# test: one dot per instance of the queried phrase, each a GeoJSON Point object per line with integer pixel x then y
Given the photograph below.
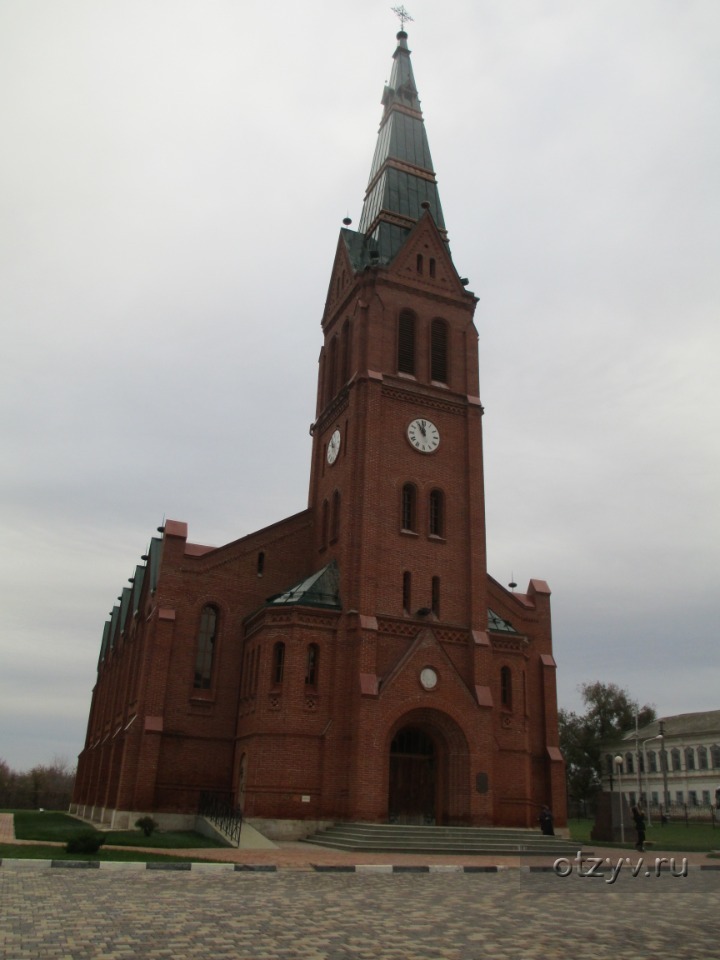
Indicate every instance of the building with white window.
{"type": "Point", "coordinates": [671, 762]}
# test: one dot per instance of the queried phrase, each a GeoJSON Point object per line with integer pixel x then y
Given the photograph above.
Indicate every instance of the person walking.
{"type": "Point", "coordinates": [638, 816]}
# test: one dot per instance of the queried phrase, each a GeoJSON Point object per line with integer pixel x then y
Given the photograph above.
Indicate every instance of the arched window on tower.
{"type": "Point", "coordinates": [419, 263]}
{"type": "Point", "coordinates": [407, 591]}
{"type": "Point", "coordinates": [331, 370]}
{"type": "Point", "coordinates": [345, 353]}
{"type": "Point", "coordinates": [439, 351]}
{"type": "Point", "coordinates": [278, 663]}
{"type": "Point", "coordinates": [324, 527]}
{"type": "Point", "coordinates": [312, 667]}
{"type": "Point", "coordinates": [406, 343]}
{"type": "Point", "coordinates": [335, 517]}
{"type": "Point", "coordinates": [437, 511]}
{"type": "Point", "coordinates": [409, 507]}
{"type": "Point", "coordinates": [205, 648]}
{"type": "Point", "coordinates": [436, 596]}
{"type": "Point", "coordinates": [506, 687]}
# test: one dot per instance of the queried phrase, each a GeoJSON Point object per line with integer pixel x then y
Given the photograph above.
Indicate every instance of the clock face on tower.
{"type": "Point", "coordinates": [423, 435]}
{"type": "Point", "coordinates": [333, 447]}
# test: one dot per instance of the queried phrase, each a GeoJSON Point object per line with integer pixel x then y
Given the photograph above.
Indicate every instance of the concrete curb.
{"type": "Point", "coordinates": [202, 868]}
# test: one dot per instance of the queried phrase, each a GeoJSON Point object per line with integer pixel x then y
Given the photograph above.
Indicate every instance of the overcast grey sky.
{"type": "Point", "coordinates": [173, 176]}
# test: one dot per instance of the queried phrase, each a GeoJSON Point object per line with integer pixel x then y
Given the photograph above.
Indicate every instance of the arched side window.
{"type": "Point", "coordinates": [419, 263]}
{"type": "Point", "coordinates": [439, 351]}
{"type": "Point", "coordinates": [702, 758]}
{"type": "Point", "coordinates": [324, 525]}
{"type": "Point", "coordinates": [261, 563]}
{"type": "Point", "coordinates": [407, 591]}
{"type": "Point", "coordinates": [409, 507]}
{"type": "Point", "coordinates": [437, 513]}
{"type": "Point", "coordinates": [313, 662]}
{"type": "Point", "coordinates": [278, 663]}
{"type": "Point", "coordinates": [406, 343]}
{"type": "Point", "coordinates": [205, 648]}
{"type": "Point", "coordinates": [436, 596]}
{"type": "Point", "coordinates": [675, 755]}
{"type": "Point", "coordinates": [322, 378]}
{"type": "Point", "coordinates": [335, 517]}
{"type": "Point", "coordinates": [345, 353]}
{"type": "Point", "coordinates": [331, 370]}
{"type": "Point", "coordinates": [432, 267]}
{"type": "Point", "coordinates": [506, 687]}
{"type": "Point", "coordinates": [652, 761]}
{"type": "Point", "coordinates": [715, 754]}
{"type": "Point", "coordinates": [609, 763]}
{"type": "Point", "coordinates": [629, 763]}
{"type": "Point", "coordinates": [689, 758]}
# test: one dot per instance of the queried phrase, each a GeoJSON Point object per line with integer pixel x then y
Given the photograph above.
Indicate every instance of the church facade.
{"type": "Point", "coordinates": [354, 661]}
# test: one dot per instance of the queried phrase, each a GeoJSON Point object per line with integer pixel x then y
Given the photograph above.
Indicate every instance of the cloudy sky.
{"type": "Point", "coordinates": [173, 176]}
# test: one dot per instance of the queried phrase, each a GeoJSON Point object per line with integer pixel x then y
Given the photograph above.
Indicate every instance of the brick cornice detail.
{"type": "Point", "coordinates": [416, 393]}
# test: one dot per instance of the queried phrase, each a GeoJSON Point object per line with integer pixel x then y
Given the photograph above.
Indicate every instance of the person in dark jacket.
{"type": "Point", "coordinates": [639, 817]}
{"type": "Point", "coordinates": [546, 821]}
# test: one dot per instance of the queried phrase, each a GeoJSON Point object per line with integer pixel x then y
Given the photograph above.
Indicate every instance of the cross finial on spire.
{"type": "Point", "coordinates": [403, 16]}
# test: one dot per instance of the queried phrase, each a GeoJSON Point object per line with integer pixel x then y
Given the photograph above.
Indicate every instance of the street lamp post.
{"type": "Point", "coordinates": [618, 764]}
{"type": "Point", "coordinates": [645, 765]}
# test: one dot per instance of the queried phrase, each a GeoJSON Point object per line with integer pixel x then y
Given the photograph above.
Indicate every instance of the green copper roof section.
{"type": "Point", "coordinates": [497, 623]}
{"type": "Point", "coordinates": [402, 180]}
{"type": "Point", "coordinates": [319, 590]}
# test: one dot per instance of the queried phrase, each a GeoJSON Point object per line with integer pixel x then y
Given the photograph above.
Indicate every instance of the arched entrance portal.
{"type": "Point", "coordinates": [413, 787]}
{"type": "Point", "coordinates": [428, 770]}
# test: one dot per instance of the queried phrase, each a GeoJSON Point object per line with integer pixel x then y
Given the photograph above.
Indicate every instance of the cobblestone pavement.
{"type": "Point", "coordinates": [69, 914]}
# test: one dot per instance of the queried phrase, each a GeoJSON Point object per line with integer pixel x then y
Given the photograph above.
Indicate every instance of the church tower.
{"type": "Point", "coordinates": [354, 661]}
{"type": "Point", "coordinates": [397, 450]}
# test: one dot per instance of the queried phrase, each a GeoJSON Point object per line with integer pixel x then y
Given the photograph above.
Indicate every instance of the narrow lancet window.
{"type": "Point", "coordinates": [278, 664]}
{"type": "Point", "coordinates": [311, 672]}
{"type": "Point", "coordinates": [406, 343]}
{"type": "Point", "coordinates": [439, 351]}
{"type": "Point", "coordinates": [205, 649]}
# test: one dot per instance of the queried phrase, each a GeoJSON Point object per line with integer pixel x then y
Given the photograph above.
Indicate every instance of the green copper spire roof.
{"type": "Point", "coordinates": [402, 181]}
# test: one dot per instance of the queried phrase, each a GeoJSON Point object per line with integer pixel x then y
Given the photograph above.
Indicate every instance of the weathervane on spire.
{"type": "Point", "coordinates": [403, 16]}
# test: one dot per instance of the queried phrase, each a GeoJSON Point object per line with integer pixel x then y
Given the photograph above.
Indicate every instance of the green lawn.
{"type": "Point", "coordinates": [673, 836]}
{"type": "Point", "coordinates": [51, 826]}
{"type": "Point", "coordinates": [9, 851]}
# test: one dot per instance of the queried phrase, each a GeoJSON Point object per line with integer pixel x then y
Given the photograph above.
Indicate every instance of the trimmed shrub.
{"type": "Point", "coordinates": [147, 825]}
{"type": "Point", "coordinates": [89, 841]}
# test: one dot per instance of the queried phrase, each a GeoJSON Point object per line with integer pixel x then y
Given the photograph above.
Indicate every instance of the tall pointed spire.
{"type": "Point", "coordinates": [402, 181]}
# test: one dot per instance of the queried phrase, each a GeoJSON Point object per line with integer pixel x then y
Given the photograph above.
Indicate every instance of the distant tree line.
{"type": "Point", "coordinates": [609, 712]}
{"type": "Point", "coordinates": [49, 787]}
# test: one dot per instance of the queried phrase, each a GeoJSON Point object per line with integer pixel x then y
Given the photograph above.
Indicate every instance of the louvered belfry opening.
{"type": "Point", "coordinates": [406, 343]}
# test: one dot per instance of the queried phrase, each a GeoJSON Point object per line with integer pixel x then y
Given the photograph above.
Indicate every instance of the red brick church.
{"type": "Point", "coordinates": [354, 661]}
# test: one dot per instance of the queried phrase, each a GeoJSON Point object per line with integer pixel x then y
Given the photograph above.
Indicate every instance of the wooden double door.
{"type": "Point", "coordinates": [413, 777]}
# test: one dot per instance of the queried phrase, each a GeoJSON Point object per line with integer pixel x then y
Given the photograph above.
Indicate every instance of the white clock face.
{"type": "Point", "coordinates": [428, 678]}
{"type": "Point", "coordinates": [333, 447]}
{"type": "Point", "coordinates": [423, 435]}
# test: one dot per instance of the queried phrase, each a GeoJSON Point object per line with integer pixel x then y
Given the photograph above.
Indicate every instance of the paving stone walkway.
{"type": "Point", "coordinates": [297, 915]}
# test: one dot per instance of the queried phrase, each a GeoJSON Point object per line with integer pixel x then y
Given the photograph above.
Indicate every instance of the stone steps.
{"type": "Point", "coordinates": [409, 838]}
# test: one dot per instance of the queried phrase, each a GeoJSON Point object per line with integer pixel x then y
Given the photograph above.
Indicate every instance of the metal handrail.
{"type": "Point", "coordinates": [219, 809]}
